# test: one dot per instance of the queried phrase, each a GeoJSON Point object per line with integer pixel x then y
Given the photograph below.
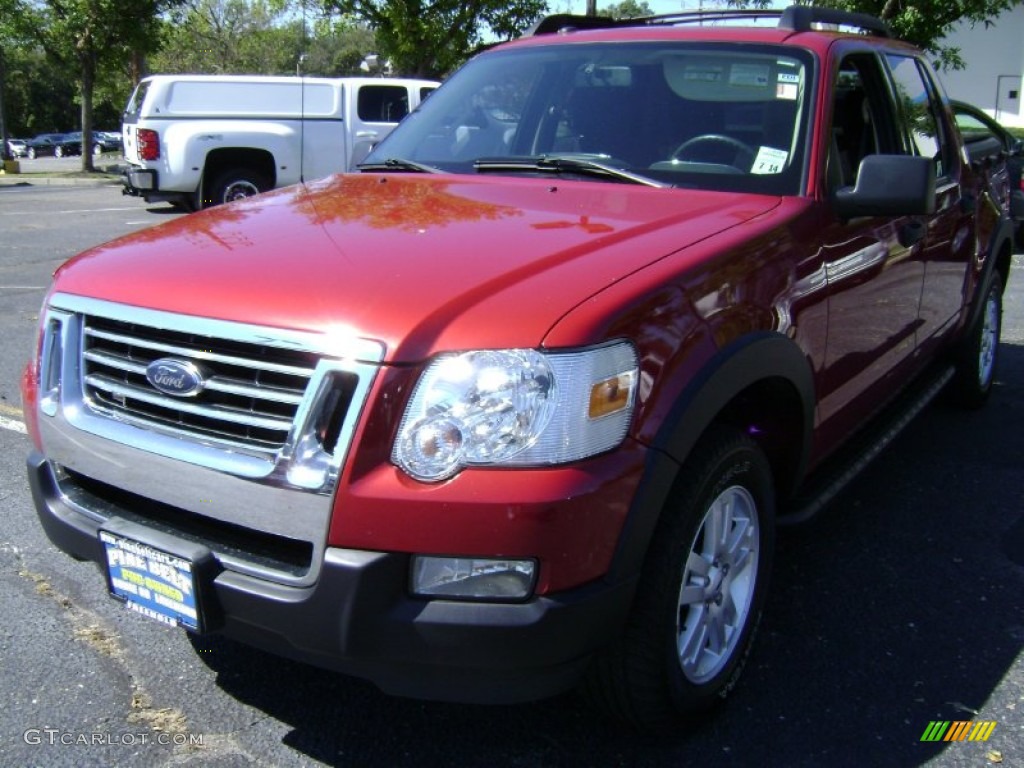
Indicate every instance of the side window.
{"type": "Point", "coordinates": [918, 112]}
{"type": "Point", "coordinates": [862, 120]}
{"type": "Point", "coordinates": [382, 103]}
{"type": "Point", "coordinates": [971, 127]}
{"type": "Point", "coordinates": [134, 108]}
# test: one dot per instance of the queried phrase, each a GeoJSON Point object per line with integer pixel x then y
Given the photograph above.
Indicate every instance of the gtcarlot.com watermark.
{"type": "Point", "coordinates": [51, 736]}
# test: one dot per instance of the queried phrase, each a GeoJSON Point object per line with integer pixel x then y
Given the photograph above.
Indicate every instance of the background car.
{"type": "Point", "coordinates": [988, 145]}
{"type": "Point", "coordinates": [17, 148]}
{"type": "Point", "coordinates": [56, 144]}
{"type": "Point", "coordinates": [102, 141]}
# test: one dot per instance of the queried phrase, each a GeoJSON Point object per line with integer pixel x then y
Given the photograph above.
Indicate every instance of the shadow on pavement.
{"type": "Point", "coordinates": [899, 605]}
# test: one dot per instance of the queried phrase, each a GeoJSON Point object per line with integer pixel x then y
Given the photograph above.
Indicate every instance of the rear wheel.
{"type": "Point", "coordinates": [235, 184]}
{"type": "Point", "coordinates": [976, 364]}
{"type": "Point", "coordinates": [701, 592]}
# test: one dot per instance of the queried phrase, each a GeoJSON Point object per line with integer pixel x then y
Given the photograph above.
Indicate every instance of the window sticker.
{"type": "Point", "coordinates": [787, 86]}
{"type": "Point", "coordinates": [749, 75]}
{"type": "Point", "coordinates": [769, 160]}
{"type": "Point", "coordinates": [786, 91]}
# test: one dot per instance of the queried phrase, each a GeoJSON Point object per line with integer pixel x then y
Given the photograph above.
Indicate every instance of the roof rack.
{"type": "Point", "coordinates": [798, 18]}
{"type": "Point", "coordinates": [802, 18]}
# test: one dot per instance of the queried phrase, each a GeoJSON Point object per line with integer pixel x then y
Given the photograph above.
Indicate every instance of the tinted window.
{"type": "Point", "coordinates": [918, 104]}
{"type": "Point", "coordinates": [972, 128]}
{"type": "Point", "coordinates": [382, 103]}
{"type": "Point", "coordinates": [134, 108]}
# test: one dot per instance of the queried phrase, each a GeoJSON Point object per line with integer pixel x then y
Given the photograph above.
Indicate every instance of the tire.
{"type": "Point", "coordinates": [235, 184]}
{"type": "Point", "coordinates": [700, 597]}
{"type": "Point", "coordinates": [979, 352]}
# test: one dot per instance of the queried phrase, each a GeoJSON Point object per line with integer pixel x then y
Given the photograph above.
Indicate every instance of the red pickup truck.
{"type": "Point", "coordinates": [519, 406]}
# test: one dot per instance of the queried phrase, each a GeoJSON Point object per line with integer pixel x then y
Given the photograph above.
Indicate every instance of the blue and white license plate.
{"type": "Point", "coordinates": [156, 584]}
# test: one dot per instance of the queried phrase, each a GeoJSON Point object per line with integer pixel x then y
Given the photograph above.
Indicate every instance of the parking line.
{"type": "Point", "coordinates": [80, 210]}
{"type": "Point", "coordinates": [12, 425]}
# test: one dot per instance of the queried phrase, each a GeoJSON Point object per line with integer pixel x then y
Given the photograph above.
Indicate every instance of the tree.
{"type": "Point", "coordinates": [921, 22]}
{"type": "Point", "coordinates": [230, 37]}
{"type": "Point", "coordinates": [627, 9]}
{"type": "Point", "coordinates": [83, 36]}
{"type": "Point", "coordinates": [259, 37]}
{"type": "Point", "coordinates": [926, 22]}
{"type": "Point", "coordinates": [8, 40]}
{"type": "Point", "coordinates": [430, 38]}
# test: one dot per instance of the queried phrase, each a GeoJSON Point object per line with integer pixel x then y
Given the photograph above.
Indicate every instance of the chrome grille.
{"type": "Point", "coordinates": [250, 396]}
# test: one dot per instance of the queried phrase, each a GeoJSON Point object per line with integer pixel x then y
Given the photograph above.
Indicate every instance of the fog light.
{"type": "Point", "coordinates": [472, 578]}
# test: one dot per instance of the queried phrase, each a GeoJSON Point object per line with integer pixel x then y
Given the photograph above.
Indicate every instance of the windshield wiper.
{"type": "Point", "coordinates": [398, 164]}
{"type": "Point", "coordinates": [559, 163]}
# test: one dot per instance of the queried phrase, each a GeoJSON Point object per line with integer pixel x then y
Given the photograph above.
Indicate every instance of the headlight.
{"type": "Point", "coordinates": [516, 407]}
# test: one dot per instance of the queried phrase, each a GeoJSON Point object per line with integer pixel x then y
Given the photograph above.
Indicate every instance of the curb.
{"type": "Point", "coordinates": [106, 173]}
{"type": "Point", "coordinates": [31, 180]}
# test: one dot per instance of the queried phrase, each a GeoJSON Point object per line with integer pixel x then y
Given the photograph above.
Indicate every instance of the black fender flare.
{"type": "Point", "coordinates": [735, 368]}
{"type": "Point", "coordinates": [1002, 237]}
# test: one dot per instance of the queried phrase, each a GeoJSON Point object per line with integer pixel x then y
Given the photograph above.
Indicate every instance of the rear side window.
{"type": "Point", "coordinates": [382, 103]}
{"type": "Point", "coordinates": [134, 108]}
{"type": "Point", "coordinates": [918, 107]}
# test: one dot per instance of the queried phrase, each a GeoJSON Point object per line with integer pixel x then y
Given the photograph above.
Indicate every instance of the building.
{"type": "Point", "coordinates": [994, 57]}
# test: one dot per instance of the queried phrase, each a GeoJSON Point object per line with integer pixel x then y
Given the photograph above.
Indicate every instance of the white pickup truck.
{"type": "Point", "coordinates": [202, 140]}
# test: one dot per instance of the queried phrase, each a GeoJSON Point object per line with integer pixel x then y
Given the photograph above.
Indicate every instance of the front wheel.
{"type": "Point", "coordinates": [701, 591]}
{"type": "Point", "coordinates": [235, 184]}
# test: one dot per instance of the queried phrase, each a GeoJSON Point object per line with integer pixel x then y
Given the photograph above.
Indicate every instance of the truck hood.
{"type": "Point", "coordinates": [421, 263]}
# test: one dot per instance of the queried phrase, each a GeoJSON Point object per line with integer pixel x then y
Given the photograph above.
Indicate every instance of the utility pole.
{"type": "Point", "coordinates": [591, 7]}
{"type": "Point", "coordinates": [3, 123]}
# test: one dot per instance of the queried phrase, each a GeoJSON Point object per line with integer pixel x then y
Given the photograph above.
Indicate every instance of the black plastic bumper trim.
{"type": "Point", "coordinates": [360, 620]}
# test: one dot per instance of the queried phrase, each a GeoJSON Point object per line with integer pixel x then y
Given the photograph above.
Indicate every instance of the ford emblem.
{"type": "Point", "coordinates": [175, 377]}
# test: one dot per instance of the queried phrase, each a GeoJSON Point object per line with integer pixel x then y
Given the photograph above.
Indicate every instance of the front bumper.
{"type": "Point", "coordinates": [358, 617]}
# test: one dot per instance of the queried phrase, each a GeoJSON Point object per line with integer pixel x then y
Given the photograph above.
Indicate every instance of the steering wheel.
{"type": "Point", "coordinates": [743, 151]}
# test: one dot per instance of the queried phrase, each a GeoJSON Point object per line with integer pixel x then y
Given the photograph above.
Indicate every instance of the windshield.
{"type": "Point", "coordinates": [710, 116]}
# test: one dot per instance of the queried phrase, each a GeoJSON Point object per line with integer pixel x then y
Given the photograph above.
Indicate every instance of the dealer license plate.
{"type": "Point", "coordinates": [156, 584]}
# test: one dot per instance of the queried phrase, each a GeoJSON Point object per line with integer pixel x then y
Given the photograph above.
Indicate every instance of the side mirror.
{"type": "Point", "coordinates": [889, 185]}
